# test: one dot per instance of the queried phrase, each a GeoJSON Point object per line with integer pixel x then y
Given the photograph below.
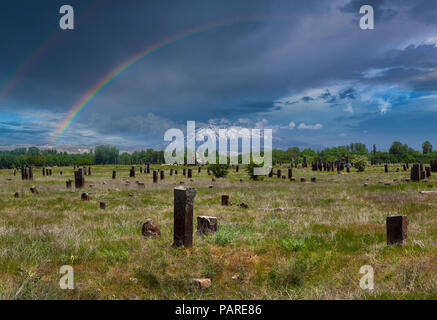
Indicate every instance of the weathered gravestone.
{"type": "Point", "coordinates": [397, 230]}
{"type": "Point", "coordinates": [225, 200]}
{"type": "Point", "coordinates": [183, 216]}
{"type": "Point", "coordinates": [79, 179]}
{"type": "Point", "coordinates": [415, 172]}
{"type": "Point", "coordinates": [132, 172]}
{"type": "Point", "coordinates": [150, 229]}
{"type": "Point", "coordinates": [155, 176]}
{"type": "Point", "coordinates": [206, 224]}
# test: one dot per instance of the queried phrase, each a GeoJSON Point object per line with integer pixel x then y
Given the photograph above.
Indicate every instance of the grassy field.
{"type": "Point", "coordinates": [295, 241]}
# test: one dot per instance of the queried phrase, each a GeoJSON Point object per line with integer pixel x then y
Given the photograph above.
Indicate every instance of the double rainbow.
{"type": "Point", "coordinates": [104, 82]}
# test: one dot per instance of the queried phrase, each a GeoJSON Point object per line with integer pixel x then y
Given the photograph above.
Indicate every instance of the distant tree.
{"type": "Point", "coordinates": [105, 154]}
{"type": "Point", "coordinates": [426, 147]}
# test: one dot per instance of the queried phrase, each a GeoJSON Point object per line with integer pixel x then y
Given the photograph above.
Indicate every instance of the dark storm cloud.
{"type": "Point", "coordinates": [277, 49]}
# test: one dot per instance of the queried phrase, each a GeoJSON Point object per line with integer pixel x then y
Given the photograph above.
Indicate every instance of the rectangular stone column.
{"type": "Point", "coordinates": [190, 173]}
{"type": "Point", "coordinates": [114, 174]}
{"type": "Point", "coordinates": [132, 172]}
{"type": "Point", "coordinates": [397, 230]}
{"type": "Point", "coordinates": [415, 172]}
{"type": "Point", "coordinates": [183, 216]}
{"type": "Point", "coordinates": [79, 180]}
{"type": "Point", "coordinates": [155, 176]}
{"type": "Point", "coordinates": [161, 174]}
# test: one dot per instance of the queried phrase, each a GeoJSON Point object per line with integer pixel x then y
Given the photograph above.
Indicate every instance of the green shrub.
{"type": "Point", "coordinates": [219, 170]}
{"type": "Point", "coordinates": [250, 170]}
{"type": "Point", "coordinates": [359, 162]}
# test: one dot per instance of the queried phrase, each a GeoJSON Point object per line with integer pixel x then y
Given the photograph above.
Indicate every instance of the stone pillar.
{"type": "Point", "coordinates": [102, 205]}
{"type": "Point", "coordinates": [428, 171]}
{"type": "Point", "coordinates": [161, 174]}
{"type": "Point", "coordinates": [68, 184]}
{"type": "Point", "coordinates": [225, 200]}
{"type": "Point", "coordinates": [89, 171]}
{"type": "Point", "coordinates": [206, 224]}
{"type": "Point", "coordinates": [415, 172]}
{"type": "Point", "coordinates": [79, 179]}
{"type": "Point", "coordinates": [43, 172]}
{"type": "Point", "coordinates": [199, 170]}
{"type": "Point", "coordinates": [433, 165]}
{"type": "Point", "coordinates": [84, 170]}
{"type": "Point", "coordinates": [47, 172]}
{"type": "Point", "coordinates": [132, 172]}
{"type": "Point", "coordinates": [184, 172]}
{"type": "Point", "coordinates": [141, 169]}
{"type": "Point", "coordinates": [171, 172]}
{"type": "Point", "coordinates": [190, 173]}
{"type": "Point", "coordinates": [30, 173]}
{"type": "Point", "coordinates": [386, 168]}
{"type": "Point", "coordinates": [114, 174]}
{"type": "Point", "coordinates": [397, 230]}
{"type": "Point", "coordinates": [148, 168]}
{"type": "Point", "coordinates": [183, 216]}
{"type": "Point", "coordinates": [290, 173]}
{"type": "Point", "coordinates": [279, 173]}
{"type": "Point", "coordinates": [237, 168]}
{"type": "Point", "coordinates": [155, 176]}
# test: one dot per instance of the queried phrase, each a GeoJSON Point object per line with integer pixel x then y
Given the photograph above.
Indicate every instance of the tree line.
{"type": "Point", "coordinates": [398, 153]}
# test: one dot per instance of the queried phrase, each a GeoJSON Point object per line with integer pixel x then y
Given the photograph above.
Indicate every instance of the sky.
{"type": "Point", "coordinates": [304, 69]}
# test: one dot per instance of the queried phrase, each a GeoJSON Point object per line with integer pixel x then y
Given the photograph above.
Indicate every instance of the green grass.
{"type": "Point", "coordinates": [312, 247]}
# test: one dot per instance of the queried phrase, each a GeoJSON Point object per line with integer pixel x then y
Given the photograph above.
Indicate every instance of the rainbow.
{"type": "Point", "coordinates": [28, 63]}
{"type": "Point", "coordinates": [39, 52]}
{"type": "Point", "coordinates": [104, 82]}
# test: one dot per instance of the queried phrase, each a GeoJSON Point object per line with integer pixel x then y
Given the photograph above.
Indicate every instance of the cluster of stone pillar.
{"type": "Point", "coordinates": [26, 173]}
{"type": "Point", "coordinates": [328, 166]}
